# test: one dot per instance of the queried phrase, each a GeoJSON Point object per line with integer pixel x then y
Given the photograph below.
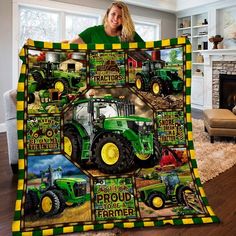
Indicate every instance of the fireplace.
{"type": "Point", "coordinates": [220, 61]}
{"type": "Point", "coordinates": [227, 91]}
{"type": "Point", "coordinates": [227, 70]}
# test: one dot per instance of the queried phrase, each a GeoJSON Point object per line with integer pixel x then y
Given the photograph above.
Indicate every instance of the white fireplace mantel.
{"type": "Point", "coordinates": [209, 57]}
{"type": "Point", "coordinates": [218, 55]}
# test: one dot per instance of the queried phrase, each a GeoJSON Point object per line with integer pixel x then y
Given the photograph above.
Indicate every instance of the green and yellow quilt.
{"type": "Point", "coordinates": [105, 138]}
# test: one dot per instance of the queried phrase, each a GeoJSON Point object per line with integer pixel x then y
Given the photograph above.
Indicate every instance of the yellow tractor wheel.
{"type": "Point", "coordinates": [110, 153]}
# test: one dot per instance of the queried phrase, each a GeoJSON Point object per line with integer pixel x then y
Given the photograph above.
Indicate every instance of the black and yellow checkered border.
{"type": "Point", "coordinates": [17, 224]}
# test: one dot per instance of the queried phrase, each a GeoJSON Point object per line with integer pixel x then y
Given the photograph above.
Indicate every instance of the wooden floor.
{"type": "Point", "coordinates": [221, 193]}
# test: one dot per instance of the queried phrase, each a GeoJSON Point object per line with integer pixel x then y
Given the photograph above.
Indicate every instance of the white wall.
{"type": "Point", "coordinates": [5, 53]}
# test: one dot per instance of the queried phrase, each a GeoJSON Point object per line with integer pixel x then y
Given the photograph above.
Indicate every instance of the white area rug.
{"type": "Point", "coordinates": [212, 158]}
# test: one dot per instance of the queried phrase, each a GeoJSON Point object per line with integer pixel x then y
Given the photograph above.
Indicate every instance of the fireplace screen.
{"type": "Point", "coordinates": [227, 91]}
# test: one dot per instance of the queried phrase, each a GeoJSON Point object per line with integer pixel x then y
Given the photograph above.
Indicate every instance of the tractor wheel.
{"type": "Point", "coordinates": [114, 68]}
{"type": "Point", "coordinates": [188, 198]}
{"type": "Point", "coordinates": [139, 82]}
{"type": "Point", "coordinates": [149, 160]}
{"type": "Point", "coordinates": [72, 145]}
{"type": "Point", "coordinates": [35, 200]}
{"type": "Point", "coordinates": [113, 154]}
{"type": "Point", "coordinates": [156, 201]}
{"type": "Point", "coordinates": [49, 133]}
{"type": "Point", "coordinates": [142, 197]}
{"type": "Point", "coordinates": [31, 98]}
{"type": "Point", "coordinates": [156, 87]}
{"type": "Point", "coordinates": [49, 203]}
{"type": "Point", "coordinates": [61, 199]}
{"type": "Point", "coordinates": [167, 88]}
{"type": "Point", "coordinates": [70, 204]}
{"type": "Point", "coordinates": [28, 208]}
{"type": "Point", "coordinates": [38, 78]}
{"type": "Point", "coordinates": [31, 202]}
{"type": "Point", "coordinates": [157, 149]}
{"type": "Point", "coordinates": [61, 85]}
{"type": "Point", "coordinates": [36, 134]}
{"type": "Point", "coordinates": [180, 194]}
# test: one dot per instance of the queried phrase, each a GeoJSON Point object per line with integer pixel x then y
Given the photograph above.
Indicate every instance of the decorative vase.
{"type": "Point", "coordinates": [215, 41]}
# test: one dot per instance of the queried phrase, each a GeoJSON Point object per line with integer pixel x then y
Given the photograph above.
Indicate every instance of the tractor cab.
{"type": "Point", "coordinates": [57, 174]}
{"type": "Point", "coordinates": [105, 109]}
{"type": "Point", "coordinates": [48, 68]}
{"type": "Point", "coordinates": [49, 176]}
{"type": "Point", "coordinates": [170, 180]}
{"type": "Point", "coordinates": [92, 113]}
{"type": "Point", "coordinates": [113, 108]}
{"type": "Point", "coordinates": [149, 67]}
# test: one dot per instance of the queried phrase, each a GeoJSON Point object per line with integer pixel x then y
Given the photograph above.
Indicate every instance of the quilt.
{"type": "Point", "coordinates": [105, 138]}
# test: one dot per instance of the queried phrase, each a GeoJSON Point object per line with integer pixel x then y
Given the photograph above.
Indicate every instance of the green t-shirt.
{"type": "Point", "coordinates": [97, 34]}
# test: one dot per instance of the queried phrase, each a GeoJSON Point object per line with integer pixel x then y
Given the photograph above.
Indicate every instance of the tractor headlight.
{"type": "Point", "coordinates": [144, 127]}
{"type": "Point", "coordinates": [139, 123]}
{"type": "Point", "coordinates": [149, 123]}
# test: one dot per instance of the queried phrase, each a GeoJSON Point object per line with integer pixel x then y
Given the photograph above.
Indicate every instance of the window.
{"type": "Point", "coordinates": [46, 25]}
{"type": "Point", "coordinates": [148, 32]}
{"type": "Point", "coordinates": [38, 24]}
{"type": "Point", "coordinates": [107, 109]}
{"type": "Point", "coordinates": [148, 28]}
{"type": "Point", "coordinates": [81, 113]}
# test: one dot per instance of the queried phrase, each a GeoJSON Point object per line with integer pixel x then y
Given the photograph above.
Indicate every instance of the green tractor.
{"type": "Point", "coordinates": [55, 193]}
{"type": "Point", "coordinates": [52, 101]}
{"type": "Point", "coordinates": [48, 76]}
{"type": "Point", "coordinates": [105, 132]}
{"type": "Point", "coordinates": [170, 189]}
{"type": "Point", "coordinates": [32, 87]}
{"type": "Point", "coordinates": [37, 131]}
{"type": "Point", "coordinates": [157, 79]}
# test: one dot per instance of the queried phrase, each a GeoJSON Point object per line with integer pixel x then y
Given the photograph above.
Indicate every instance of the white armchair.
{"type": "Point", "coordinates": [9, 99]}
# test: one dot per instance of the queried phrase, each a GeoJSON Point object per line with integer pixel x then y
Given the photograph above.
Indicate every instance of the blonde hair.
{"type": "Point", "coordinates": [127, 30]}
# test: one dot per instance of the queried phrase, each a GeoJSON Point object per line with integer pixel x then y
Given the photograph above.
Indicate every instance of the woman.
{"type": "Point", "coordinates": [117, 27]}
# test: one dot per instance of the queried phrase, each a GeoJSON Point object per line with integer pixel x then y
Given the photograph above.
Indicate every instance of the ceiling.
{"type": "Point", "coordinates": [169, 5]}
